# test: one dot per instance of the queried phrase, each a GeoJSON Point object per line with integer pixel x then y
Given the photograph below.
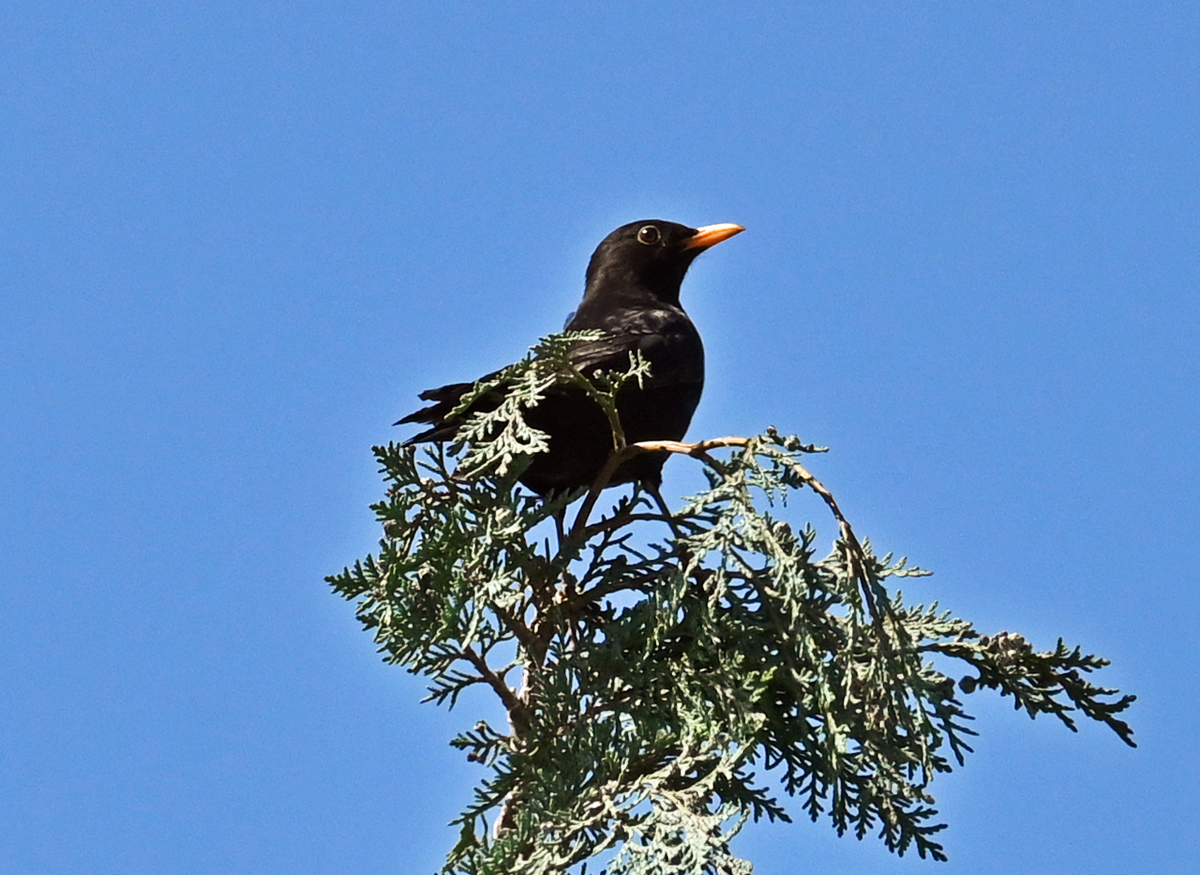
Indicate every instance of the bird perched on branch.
{"type": "Point", "coordinates": [632, 295]}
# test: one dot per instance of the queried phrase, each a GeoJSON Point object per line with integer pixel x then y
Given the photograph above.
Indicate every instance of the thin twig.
{"type": "Point", "coordinates": [697, 450]}
{"type": "Point", "coordinates": [517, 714]}
{"type": "Point", "coordinates": [518, 627]}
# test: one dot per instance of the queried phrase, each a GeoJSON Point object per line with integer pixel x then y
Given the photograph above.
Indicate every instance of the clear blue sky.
{"type": "Point", "coordinates": [236, 239]}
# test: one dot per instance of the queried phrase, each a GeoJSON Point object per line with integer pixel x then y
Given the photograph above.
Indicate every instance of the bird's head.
{"type": "Point", "coordinates": [650, 258]}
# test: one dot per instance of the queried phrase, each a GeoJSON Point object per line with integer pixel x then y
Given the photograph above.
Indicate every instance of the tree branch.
{"type": "Point", "coordinates": [518, 715]}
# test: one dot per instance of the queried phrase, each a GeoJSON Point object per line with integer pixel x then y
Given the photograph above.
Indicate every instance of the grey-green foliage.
{"type": "Point", "coordinates": [668, 675]}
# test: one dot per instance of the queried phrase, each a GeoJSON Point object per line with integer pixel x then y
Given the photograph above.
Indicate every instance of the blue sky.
{"type": "Point", "coordinates": [237, 239]}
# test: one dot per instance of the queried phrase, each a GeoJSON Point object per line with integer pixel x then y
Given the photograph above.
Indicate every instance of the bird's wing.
{"type": "Point", "coordinates": [675, 356]}
{"type": "Point", "coordinates": [673, 350]}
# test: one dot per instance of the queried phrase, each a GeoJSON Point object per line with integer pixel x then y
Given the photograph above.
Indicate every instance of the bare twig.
{"type": "Point", "coordinates": [697, 450]}
{"type": "Point", "coordinates": [517, 714]}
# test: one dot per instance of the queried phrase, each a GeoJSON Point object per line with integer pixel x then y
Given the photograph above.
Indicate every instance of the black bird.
{"type": "Point", "coordinates": [632, 294]}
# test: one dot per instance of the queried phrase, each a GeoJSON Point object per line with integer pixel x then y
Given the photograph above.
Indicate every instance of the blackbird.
{"type": "Point", "coordinates": [632, 295]}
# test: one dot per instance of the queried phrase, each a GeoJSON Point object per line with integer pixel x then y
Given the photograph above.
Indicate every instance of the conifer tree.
{"type": "Point", "coordinates": [665, 674]}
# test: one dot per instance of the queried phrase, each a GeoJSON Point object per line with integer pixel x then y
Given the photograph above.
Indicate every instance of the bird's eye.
{"type": "Point", "coordinates": [649, 234]}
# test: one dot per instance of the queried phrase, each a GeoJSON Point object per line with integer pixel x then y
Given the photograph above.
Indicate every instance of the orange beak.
{"type": "Point", "coordinates": [711, 235]}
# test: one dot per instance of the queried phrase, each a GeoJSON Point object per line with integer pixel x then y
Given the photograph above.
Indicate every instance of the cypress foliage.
{"type": "Point", "coordinates": [666, 675]}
